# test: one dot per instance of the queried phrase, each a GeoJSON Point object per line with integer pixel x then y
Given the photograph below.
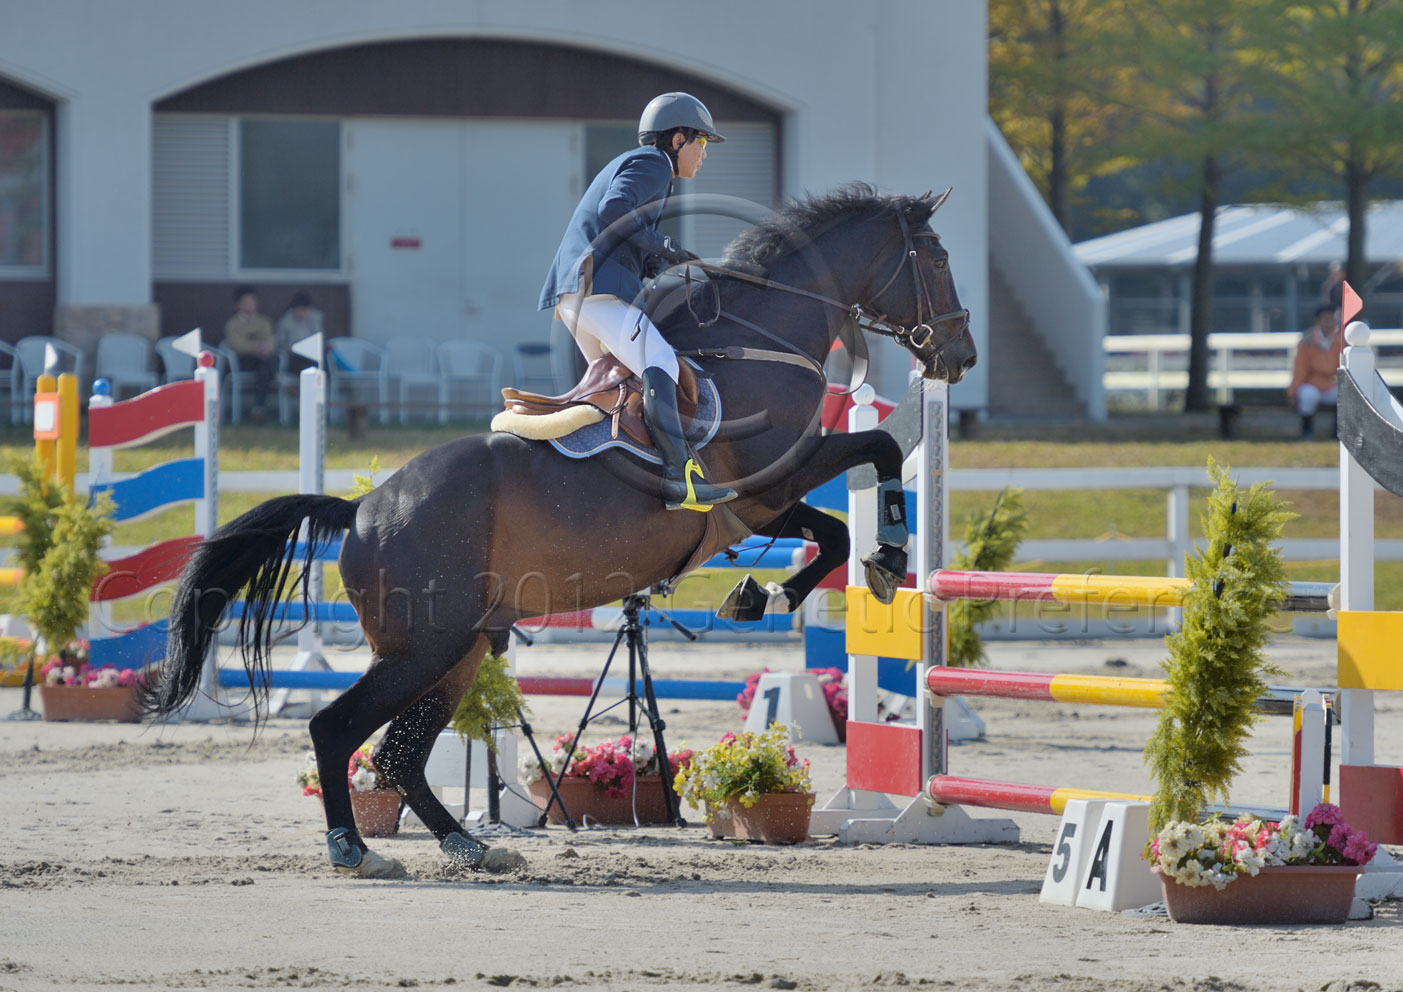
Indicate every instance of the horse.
{"type": "Point", "coordinates": [489, 529]}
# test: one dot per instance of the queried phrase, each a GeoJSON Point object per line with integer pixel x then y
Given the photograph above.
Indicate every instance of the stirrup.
{"type": "Point", "coordinates": [344, 852]}
{"type": "Point", "coordinates": [689, 501]}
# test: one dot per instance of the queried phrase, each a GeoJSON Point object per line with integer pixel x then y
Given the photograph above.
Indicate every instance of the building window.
{"type": "Point", "coordinates": [24, 199]}
{"type": "Point", "coordinates": [289, 194]}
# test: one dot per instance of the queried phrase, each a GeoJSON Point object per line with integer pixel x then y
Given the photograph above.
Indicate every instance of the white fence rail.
{"type": "Point", "coordinates": [1174, 482]}
{"type": "Point", "coordinates": [1156, 364]}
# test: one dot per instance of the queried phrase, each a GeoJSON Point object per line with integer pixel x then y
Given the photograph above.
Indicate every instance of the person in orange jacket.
{"type": "Point", "coordinates": [1313, 374]}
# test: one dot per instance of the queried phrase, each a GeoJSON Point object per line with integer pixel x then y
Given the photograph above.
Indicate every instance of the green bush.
{"type": "Point", "coordinates": [55, 595]}
{"type": "Point", "coordinates": [991, 541]}
{"type": "Point", "coordinates": [1216, 664]}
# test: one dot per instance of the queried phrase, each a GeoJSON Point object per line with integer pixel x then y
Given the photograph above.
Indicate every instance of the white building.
{"type": "Point", "coordinates": [412, 165]}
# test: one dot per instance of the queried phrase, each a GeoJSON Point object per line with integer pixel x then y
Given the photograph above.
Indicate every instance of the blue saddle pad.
{"type": "Point", "coordinates": [591, 440]}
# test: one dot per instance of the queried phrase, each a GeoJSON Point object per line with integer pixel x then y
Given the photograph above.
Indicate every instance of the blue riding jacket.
{"type": "Point", "coordinates": [630, 191]}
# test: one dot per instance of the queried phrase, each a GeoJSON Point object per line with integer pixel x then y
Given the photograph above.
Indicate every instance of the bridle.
{"type": "Point", "coordinates": [915, 338]}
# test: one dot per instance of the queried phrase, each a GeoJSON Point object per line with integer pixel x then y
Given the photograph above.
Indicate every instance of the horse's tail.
{"type": "Point", "coordinates": [256, 553]}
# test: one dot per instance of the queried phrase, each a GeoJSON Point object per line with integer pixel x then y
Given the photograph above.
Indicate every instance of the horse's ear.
{"type": "Point", "coordinates": [940, 200]}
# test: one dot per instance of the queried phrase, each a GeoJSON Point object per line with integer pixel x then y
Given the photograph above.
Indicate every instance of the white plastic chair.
{"type": "Point", "coordinates": [31, 352]}
{"type": "Point", "coordinates": [124, 360]}
{"type": "Point", "coordinates": [473, 367]}
{"type": "Point", "coordinates": [358, 371]}
{"type": "Point", "coordinates": [233, 380]}
{"type": "Point", "coordinates": [176, 365]}
{"type": "Point", "coordinates": [412, 364]}
{"type": "Point", "coordinates": [533, 366]}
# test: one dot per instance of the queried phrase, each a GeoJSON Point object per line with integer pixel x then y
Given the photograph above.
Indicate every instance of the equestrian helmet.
{"type": "Point", "coordinates": [671, 110]}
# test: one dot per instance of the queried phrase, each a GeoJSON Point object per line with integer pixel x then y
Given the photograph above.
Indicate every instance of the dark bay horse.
{"type": "Point", "coordinates": [476, 534]}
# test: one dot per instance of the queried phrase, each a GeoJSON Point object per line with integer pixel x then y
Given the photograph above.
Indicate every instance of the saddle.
{"type": "Point", "coordinates": [608, 389]}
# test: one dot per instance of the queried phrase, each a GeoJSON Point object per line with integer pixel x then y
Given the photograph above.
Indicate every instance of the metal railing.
{"type": "Point", "coordinates": [1157, 364]}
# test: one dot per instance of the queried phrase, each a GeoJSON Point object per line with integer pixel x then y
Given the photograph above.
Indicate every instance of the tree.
{"type": "Point", "coordinates": [1043, 92]}
{"type": "Point", "coordinates": [1191, 98]}
{"type": "Point", "coordinates": [1332, 70]}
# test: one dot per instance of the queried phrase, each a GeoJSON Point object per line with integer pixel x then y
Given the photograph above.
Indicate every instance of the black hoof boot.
{"type": "Point", "coordinates": [346, 853]}
{"type": "Point", "coordinates": [886, 570]}
{"type": "Point", "coordinates": [463, 851]}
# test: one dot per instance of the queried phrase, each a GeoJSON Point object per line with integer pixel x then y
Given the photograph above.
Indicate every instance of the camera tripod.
{"type": "Point", "coordinates": [634, 634]}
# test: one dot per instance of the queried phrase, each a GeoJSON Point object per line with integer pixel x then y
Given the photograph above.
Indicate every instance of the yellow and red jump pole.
{"type": "Point", "coordinates": [949, 584]}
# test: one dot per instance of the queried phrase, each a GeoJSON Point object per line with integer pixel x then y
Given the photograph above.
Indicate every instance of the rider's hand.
{"type": "Point", "coordinates": [674, 255]}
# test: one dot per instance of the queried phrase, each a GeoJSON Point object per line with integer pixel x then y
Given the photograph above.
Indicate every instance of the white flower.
{"type": "Point", "coordinates": [363, 780]}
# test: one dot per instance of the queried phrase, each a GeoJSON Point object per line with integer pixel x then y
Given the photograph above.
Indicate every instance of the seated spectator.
{"type": "Point", "coordinates": [249, 335]}
{"type": "Point", "coordinates": [1313, 375]}
{"type": "Point", "coordinates": [300, 321]}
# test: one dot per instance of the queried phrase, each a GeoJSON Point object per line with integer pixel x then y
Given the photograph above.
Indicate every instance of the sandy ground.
{"type": "Point", "coordinates": [185, 857]}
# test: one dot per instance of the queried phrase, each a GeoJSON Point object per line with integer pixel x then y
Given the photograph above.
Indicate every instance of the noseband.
{"type": "Point", "coordinates": [915, 338]}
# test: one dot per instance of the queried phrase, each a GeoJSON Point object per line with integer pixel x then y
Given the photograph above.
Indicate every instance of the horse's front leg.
{"type": "Point", "coordinates": [833, 454]}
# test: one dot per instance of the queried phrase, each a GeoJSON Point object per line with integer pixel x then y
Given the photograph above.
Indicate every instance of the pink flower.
{"type": "Point", "coordinates": [1325, 813]}
{"type": "Point", "coordinates": [1358, 849]}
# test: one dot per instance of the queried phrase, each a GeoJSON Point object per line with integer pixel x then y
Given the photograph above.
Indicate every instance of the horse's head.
{"type": "Point", "coordinates": [918, 305]}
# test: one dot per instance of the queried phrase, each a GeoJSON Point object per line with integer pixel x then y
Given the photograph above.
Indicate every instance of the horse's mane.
{"type": "Point", "coordinates": [804, 218]}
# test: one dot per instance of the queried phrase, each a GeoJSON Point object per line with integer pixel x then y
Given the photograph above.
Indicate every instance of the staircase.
{"type": "Point", "coordinates": [1025, 379]}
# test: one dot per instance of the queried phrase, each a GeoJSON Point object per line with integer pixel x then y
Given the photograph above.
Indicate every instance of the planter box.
{"type": "Point", "coordinates": [778, 818]}
{"type": "Point", "coordinates": [376, 812]}
{"type": "Point", "coordinates": [1283, 894]}
{"type": "Point", "coordinates": [77, 702]}
{"type": "Point", "coordinates": [585, 798]}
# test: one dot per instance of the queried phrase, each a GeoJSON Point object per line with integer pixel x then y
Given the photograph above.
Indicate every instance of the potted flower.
{"type": "Point", "coordinates": [1252, 871]}
{"type": "Point", "coordinates": [604, 782]}
{"type": "Point", "coordinates": [375, 804]}
{"type": "Point", "coordinates": [751, 787]}
{"type": "Point", "coordinates": [835, 694]}
{"type": "Point", "coordinates": [72, 689]}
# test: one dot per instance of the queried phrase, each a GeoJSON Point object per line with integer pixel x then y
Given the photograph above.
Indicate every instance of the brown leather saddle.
{"type": "Point", "coordinates": [611, 388]}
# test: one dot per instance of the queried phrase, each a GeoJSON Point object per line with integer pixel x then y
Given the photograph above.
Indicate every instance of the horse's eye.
{"type": "Point", "coordinates": [940, 263]}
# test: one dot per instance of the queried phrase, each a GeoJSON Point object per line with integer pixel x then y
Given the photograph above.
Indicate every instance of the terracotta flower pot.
{"type": "Point", "coordinates": [87, 703]}
{"type": "Point", "coordinates": [585, 798]}
{"type": "Point", "coordinates": [1282, 894]}
{"type": "Point", "coordinates": [376, 811]}
{"type": "Point", "coordinates": [777, 818]}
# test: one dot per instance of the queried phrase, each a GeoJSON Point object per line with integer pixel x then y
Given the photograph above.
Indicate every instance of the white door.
{"type": "Point", "coordinates": [452, 225]}
{"type": "Point", "coordinates": [404, 191]}
{"type": "Point", "coordinates": [523, 179]}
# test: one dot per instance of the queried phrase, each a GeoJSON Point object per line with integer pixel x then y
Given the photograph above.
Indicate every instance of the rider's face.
{"type": "Point", "coordinates": [689, 156]}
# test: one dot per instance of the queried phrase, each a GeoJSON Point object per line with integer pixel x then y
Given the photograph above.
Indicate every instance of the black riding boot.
{"type": "Point", "coordinates": [1307, 426]}
{"type": "Point", "coordinates": [682, 487]}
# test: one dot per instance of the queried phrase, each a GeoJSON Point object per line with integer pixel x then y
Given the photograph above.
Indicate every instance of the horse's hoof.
{"type": "Point", "coordinates": [501, 860]}
{"type": "Point", "coordinates": [885, 569]}
{"type": "Point", "coordinates": [749, 601]}
{"type": "Point", "coordinates": [463, 851]}
{"type": "Point", "coordinates": [373, 866]}
{"type": "Point", "coordinates": [743, 603]}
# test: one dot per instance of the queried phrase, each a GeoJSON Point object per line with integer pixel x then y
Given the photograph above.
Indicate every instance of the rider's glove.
{"type": "Point", "coordinates": [673, 255]}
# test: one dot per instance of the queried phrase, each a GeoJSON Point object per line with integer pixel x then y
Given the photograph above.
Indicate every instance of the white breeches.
{"type": "Point", "coordinates": [607, 322]}
{"type": "Point", "coordinates": [1309, 398]}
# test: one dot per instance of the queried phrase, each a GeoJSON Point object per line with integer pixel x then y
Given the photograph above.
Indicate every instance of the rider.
{"type": "Point", "coordinates": [612, 240]}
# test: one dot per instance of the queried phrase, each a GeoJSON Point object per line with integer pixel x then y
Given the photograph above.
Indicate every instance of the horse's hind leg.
{"type": "Point", "coordinates": [404, 751]}
{"type": "Point", "coordinates": [749, 602]}
{"type": "Point", "coordinates": [390, 687]}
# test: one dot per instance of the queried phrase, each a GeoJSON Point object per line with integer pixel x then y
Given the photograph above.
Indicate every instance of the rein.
{"type": "Point", "coordinates": [863, 316]}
